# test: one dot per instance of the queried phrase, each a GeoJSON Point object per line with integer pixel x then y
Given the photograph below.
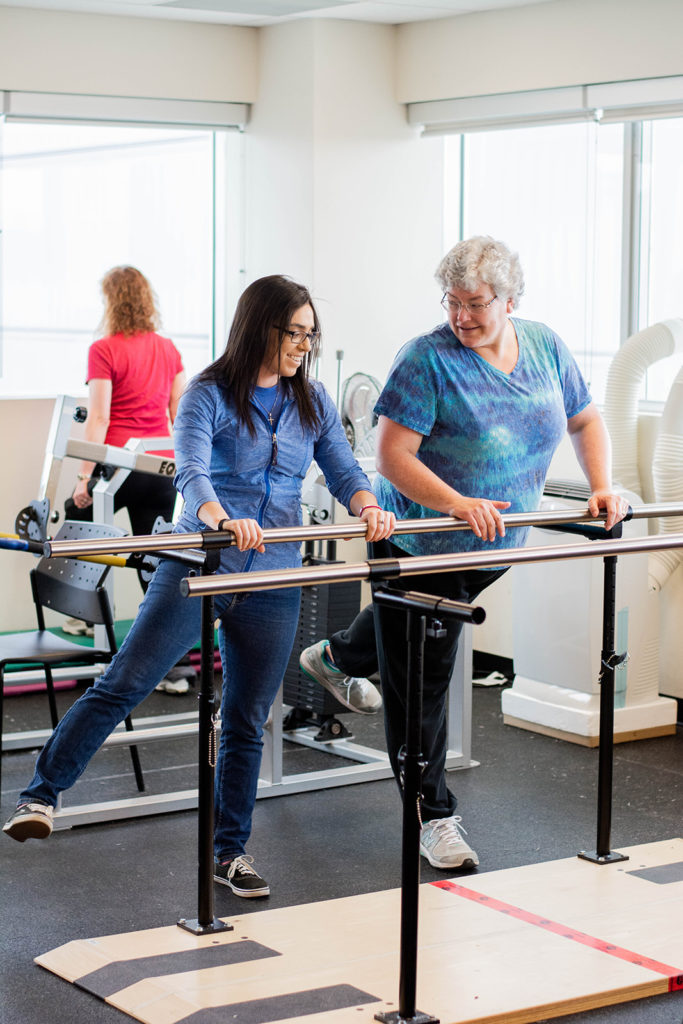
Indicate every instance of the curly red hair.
{"type": "Point", "coordinates": [129, 302]}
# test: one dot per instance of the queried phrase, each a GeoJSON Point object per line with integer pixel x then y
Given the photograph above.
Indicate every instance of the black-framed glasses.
{"type": "Point", "coordinates": [298, 337]}
{"type": "Point", "coordinates": [453, 306]}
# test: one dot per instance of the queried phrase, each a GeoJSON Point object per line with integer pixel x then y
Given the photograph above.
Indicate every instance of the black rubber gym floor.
{"type": "Point", "coordinates": [531, 799]}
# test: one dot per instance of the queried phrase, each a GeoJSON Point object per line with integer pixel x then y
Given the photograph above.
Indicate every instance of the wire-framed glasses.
{"type": "Point", "coordinates": [453, 306]}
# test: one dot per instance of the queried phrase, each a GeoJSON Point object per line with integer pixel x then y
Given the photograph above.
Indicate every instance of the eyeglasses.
{"type": "Point", "coordinates": [298, 337]}
{"type": "Point", "coordinates": [453, 306]}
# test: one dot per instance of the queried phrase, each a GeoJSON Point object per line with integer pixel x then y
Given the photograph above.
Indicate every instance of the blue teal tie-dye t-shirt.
{"type": "Point", "coordinates": [488, 433]}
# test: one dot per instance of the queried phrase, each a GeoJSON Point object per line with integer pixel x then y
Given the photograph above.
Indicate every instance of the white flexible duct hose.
{"type": "Point", "coordinates": [667, 477]}
{"type": "Point", "coordinates": [624, 381]}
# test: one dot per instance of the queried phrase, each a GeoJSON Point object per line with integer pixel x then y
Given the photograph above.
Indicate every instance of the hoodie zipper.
{"type": "Point", "coordinates": [272, 428]}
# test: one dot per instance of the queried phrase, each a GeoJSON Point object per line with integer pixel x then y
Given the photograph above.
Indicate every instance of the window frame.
{"type": "Point", "coordinates": [218, 118]}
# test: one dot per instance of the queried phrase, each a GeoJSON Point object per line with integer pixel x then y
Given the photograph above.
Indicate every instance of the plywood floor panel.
{"type": "Point", "coordinates": [509, 946]}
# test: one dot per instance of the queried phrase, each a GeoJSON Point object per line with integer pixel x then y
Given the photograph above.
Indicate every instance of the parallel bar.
{"type": "Point", "coordinates": [121, 545]}
{"type": "Point", "coordinates": [134, 561]}
{"type": "Point", "coordinates": [341, 531]}
{"type": "Point", "coordinates": [415, 564]}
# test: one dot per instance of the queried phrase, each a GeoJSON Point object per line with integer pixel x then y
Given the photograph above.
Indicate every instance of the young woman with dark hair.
{"type": "Point", "coordinates": [250, 342]}
{"type": "Point", "coordinates": [246, 432]}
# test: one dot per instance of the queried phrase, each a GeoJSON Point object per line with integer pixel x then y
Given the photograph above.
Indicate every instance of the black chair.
{"type": "Point", "coordinates": [75, 588]}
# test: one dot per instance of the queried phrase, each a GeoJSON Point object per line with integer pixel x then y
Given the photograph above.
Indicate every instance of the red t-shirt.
{"type": "Point", "coordinates": [142, 369]}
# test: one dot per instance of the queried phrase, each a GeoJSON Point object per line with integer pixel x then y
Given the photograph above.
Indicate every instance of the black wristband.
{"type": "Point", "coordinates": [220, 525]}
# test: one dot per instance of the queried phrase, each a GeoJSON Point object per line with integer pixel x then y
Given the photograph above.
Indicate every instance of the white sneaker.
{"type": "Point", "coordinates": [355, 694]}
{"type": "Point", "coordinates": [178, 686]}
{"type": "Point", "coordinates": [76, 627]}
{"type": "Point", "coordinates": [178, 680]}
{"type": "Point", "coordinates": [442, 843]}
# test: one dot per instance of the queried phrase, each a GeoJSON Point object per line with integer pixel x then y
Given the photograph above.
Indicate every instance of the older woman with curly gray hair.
{"type": "Point", "coordinates": [482, 260]}
{"type": "Point", "coordinates": [469, 419]}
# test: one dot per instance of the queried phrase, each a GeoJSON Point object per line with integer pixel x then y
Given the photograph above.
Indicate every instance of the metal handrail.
{"type": "Point", "coordinates": [388, 568]}
{"type": "Point", "coordinates": [343, 531]}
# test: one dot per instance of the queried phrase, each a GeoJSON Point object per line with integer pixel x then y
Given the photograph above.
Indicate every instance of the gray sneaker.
{"type": "Point", "coordinates": [30, 821]}
{"type": "Point", "coordinates": [442, 843]}
{"type": "Point", "coordinates": [355, 694]}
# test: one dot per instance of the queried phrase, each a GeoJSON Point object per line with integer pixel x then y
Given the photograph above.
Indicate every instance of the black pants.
{"type": "Point", "coordinates": [377, 636]}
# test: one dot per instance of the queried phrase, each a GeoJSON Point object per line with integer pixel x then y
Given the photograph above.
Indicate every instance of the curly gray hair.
{"type": "Point", "coordinates": [482, 259]}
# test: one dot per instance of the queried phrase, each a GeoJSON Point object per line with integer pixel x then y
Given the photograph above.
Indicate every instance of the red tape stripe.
{"type": "Point", "coordinates": [674, 974]}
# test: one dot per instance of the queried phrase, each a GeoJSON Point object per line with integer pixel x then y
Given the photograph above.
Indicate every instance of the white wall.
{"type": "Point", "coordinates": [24, 425]}
{"type": "Point", "coordinates": [53, 51]}
{"type": "Point", "coordinates": [565, 42]}
{"type": "Point", "coordinates": [378, 202]}
{"type": "Point", "coordinates": [340, 190]}
{"type": "Point", "coordinates": [279, 147]}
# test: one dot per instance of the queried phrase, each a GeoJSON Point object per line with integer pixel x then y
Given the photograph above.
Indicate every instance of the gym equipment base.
{"type": "Point", "coordinates": [362, 764]}
{"type": "Point", "coordinates": [504, 947]}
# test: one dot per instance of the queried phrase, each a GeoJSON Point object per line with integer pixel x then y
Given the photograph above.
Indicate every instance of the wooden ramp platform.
{"type": "Point", "coordinates": [507, 947]}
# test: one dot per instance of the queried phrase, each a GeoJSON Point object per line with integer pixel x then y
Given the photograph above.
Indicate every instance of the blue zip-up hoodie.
{"type": "Point", "coordinates": [218, 459]}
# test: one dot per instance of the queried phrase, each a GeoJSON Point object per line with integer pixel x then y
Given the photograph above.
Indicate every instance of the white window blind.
{"type": "Point", "coordinates": [69, 108]}
{"type": "Point", "coordinates": [606, 102]}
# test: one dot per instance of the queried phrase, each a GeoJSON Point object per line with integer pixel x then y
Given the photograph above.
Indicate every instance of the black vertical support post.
{"type": "Point", "coordinates": [205, 922]}
{"type": "Point", "coordinates": [417, 606]}
{"type": "Point", "coordinates": [416, 628]}
{"type": "Point", "coordinates": [606, 753]}
{"type": "Point", "coordinates": [412, 765]}
{"type": "Point", "coordinates": [609, 661]}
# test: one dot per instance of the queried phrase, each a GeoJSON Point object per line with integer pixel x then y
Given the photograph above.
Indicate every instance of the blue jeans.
{"type": "Point", "coordinates": [255, 639]}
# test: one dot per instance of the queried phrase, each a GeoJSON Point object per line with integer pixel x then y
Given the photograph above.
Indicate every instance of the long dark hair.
{"type": "Point", "coordinates": [269, 302]}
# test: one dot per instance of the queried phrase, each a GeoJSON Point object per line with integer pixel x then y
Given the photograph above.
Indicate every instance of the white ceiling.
{"type": "Point", "coordinates": [269, 12]}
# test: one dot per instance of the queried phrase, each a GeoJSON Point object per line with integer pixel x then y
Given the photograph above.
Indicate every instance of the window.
{"type": "Point", "coordinates": [586, 182]}
{"type": "Point", "coordinates": [555, 195]}
{"type": "Point", "coordinates": [79, 199]}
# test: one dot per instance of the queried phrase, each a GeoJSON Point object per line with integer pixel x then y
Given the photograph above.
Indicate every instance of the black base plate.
{"type": "Point", "coordinates": [192, 925]}
{"type": "Point", "coordinates": [601, 858]}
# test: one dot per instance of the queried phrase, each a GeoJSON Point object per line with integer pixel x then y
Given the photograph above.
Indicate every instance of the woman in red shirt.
{"type": "Point", "coordinates": [135, 380]}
